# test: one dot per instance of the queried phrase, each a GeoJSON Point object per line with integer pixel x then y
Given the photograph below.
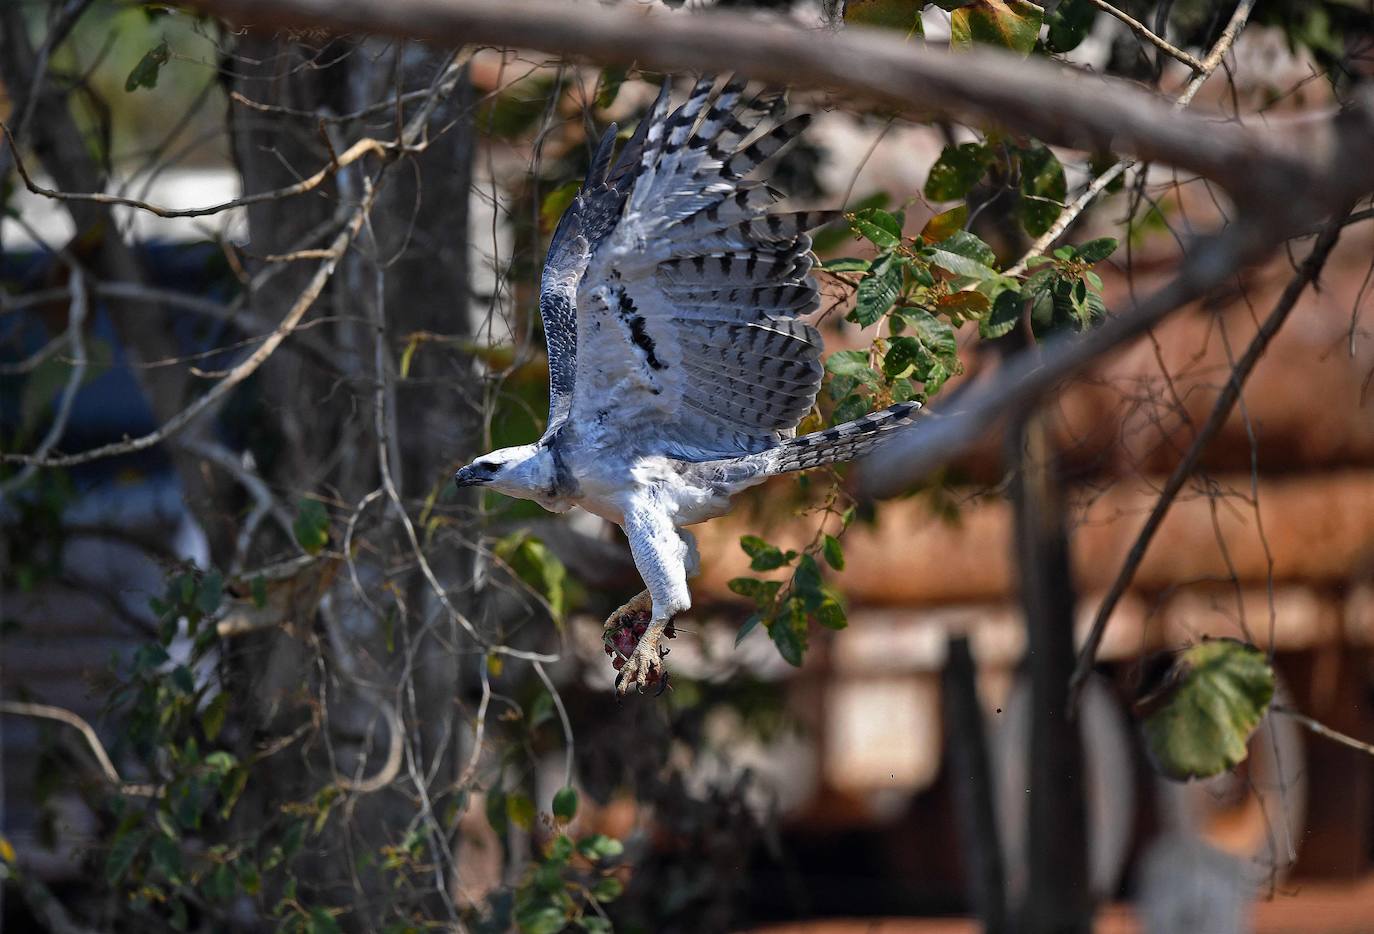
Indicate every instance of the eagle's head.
{"type": "Point", "coordinates": [526, 471]}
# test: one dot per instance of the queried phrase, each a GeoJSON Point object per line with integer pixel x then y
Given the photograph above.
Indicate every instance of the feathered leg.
{"type": "Point", "coordinates": [661, 555]}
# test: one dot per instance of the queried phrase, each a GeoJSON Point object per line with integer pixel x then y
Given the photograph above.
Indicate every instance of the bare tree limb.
{"type": "Point", "coordinates": [878, 67]}
{"type": "Point", "coordinates": [1221, 411]}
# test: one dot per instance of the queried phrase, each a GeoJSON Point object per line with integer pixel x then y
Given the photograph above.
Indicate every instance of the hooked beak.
{"type": "Point", "coordinates": [467, 476]}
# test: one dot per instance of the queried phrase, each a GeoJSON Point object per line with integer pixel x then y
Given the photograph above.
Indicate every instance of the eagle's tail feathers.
{"type": "Point", "coordinates": [841, 443]}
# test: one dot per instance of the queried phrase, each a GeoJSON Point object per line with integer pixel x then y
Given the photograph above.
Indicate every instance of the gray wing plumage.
{"type": "Point", "coordinates": [681, 290]}
{"type": "Point", "coordinates": [592, 215]}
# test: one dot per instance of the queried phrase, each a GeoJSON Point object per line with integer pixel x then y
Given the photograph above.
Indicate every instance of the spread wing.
{"type": "Point", "coordinates": [592, 215]}
{"type": "Point", "coordinates": [683, 311]}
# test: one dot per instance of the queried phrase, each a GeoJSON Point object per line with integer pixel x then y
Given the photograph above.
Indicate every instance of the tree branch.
{"type": "Point", "coordinates": [880, 68]}
{"type": "Point", "coordinates": [1143, 31]}
{"type": "Point", "coordinates": [1221, 411]}
{"type": "Point", "coordinates": [235, 376]}
{"type": "Point", "coordinates": [79, 723]}
{"type": "Point", "coordinates": [1239, 17]}
{"type": "Point", "coordinates": [1321, 729]}
{"type": "Point", "coordinates": [941, 436]}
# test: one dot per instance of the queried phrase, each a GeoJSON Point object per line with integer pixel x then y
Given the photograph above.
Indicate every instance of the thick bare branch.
{"type": "Point", "coordinates": [876, 66]}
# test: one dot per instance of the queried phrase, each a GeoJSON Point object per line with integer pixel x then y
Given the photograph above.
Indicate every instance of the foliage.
{"type": "Point", "coordinates": [1212, 699]}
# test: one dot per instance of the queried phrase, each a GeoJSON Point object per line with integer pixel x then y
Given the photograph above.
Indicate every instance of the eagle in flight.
{"type": "Point", "coordinates": [679, 367]}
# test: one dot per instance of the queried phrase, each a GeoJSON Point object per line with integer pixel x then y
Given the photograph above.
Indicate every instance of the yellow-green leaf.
{"type": "Point", "coordinates": [943, 225]}
{"type": "Point", "coordinates": [555, 203]}
{"type": "Point", "coordinates": [1213, 699]}
{"type": "Point", "coordinates": [1008, 24]}
{"type": "Point", "coordinates": [903, 15]}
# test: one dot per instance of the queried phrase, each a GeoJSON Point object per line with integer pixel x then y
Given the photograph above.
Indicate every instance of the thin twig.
{"type": "Point", "coordinates": [1144, 32]}
{"type": "Point", "coordinates": [235, 376]}
{"type": "Point", "coordinates": [76, 323]}
{"type": "Point", "coordinates": [563, 716]}
{"type": "Point", "coordinates": [1205, 68]}
{"type": "Point", "coordinates": [1321, 729]}
{"type": "Point", "coordinates": [1221, 411]}
{"type": "Point", "coordinates": [355, 152]}
{"type": "Point", "coordinates": [82, 726]}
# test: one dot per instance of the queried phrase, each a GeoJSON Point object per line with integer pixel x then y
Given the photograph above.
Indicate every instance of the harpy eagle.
{"type": "Point", "coordinates": [678, 366]}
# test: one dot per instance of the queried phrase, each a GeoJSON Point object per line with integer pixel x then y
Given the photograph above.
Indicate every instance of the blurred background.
{"type": "Point", "coordinates": [267, 669]}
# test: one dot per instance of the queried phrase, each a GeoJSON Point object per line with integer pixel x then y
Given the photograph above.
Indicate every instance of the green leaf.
{"type": "Point", "coordinates": [765, 557]}
{"type": "Point", "coordinates": [1009, 24]}
{"type": "Point", "coordinates": [1006, 314]}
{"type": "Point", "coordinates": [945, 225]}
{"type": "Point", "coordinates": [121, 856]}
{"type": "Point", "coordinates": [561, 849]}
{"type": "Point", "coordinates": [877, 291]}
{"type": "Point", "coordinates": [166, 857]}
{"type": "Point", "coordinates": [1213, 699]}
{"type": "Point", "coordinates": [847, 264]}
{"type": "Point", "coordinates": [1043, 189]}
{"type": "Point", "coordinates": [496, 811]}
{"type": "Point", "coordinates": [830, 612]}
{"type": "Point", "coordinates": [565, 803]}
{"type": "Point", "coordinates": [555, 203]}
{"type": "Point", "coordinates": [852, 363]}
{"type": "Point", "coordinates": [963, 306]}
{"type": "Point", "coordinates": [964, 254]}
{"type": "Point", "coordinates": [788, 632]}
{"type": "Point", "coordinates": [311, 526]}
{"type": "Point", "coordinates": [600, 847]}
{"type": "Point", "coordinates": [749, 625]}
{"type": "Point", "coordinates": [321, 921]}
{"type": "Point", "coordinates": [855, 406]}
{"type": "Point", "coordinates": [520, 811]}
{"type": "Point", "coordinates": [607, 889]}
{"type": "Point", "coordinates": [833, 551]}
{"type": "Point", "coordinates": [902, 15]}
{"type": "Point", "coordinates": [929, 352]}
{"type": "Point", "coordinates": [1069, 25]}
{"type": "Point", "coordinates": [881, 228]}
{"type": "Point", "coordinates": [259, 589]}
{"type": "Point", "coordinates": [609, 86]}
{"type": "Point", "coordinates": [761, 592]}
{"type": "Point", "coordinates": [212, 720]}
{"type": "Point", "coordinates": [210, 593]}
{"type": "Point", "coordinates": [594, 924]}
{"type": "Point", "coordinates": [1095, 251]}
{"type": "Point", "coordinates": [541, 919]}
{"type": "Point", "coordinates": [146, 71]}
{"type": "Point", "coordinates": [537, 566]}
{"type": "Point", "coordinates": [956, 171]}
{"type": "Point", "coordinates": [968, 244]}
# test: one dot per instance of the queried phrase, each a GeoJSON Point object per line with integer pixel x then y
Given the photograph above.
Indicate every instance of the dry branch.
{"type": "Point", "coordinates": [1221, 411]}
{"type": "Point", "coordinates": [1332, 163]}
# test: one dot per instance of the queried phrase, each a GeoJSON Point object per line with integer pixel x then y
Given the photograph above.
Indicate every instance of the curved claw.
{"type": "Point", "coordinates": [643, 667]}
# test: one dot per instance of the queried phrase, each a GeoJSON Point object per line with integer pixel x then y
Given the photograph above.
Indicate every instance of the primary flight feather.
{"type": "Point", "coordinates": [678, 364]}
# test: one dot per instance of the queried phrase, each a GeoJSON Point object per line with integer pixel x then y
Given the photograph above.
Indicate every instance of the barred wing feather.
{"type": "Point", "coordinates": [687, 331]}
